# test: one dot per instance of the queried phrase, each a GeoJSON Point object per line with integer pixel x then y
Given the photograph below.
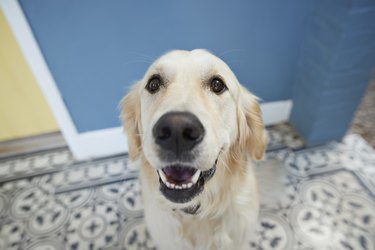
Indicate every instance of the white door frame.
{"type": "Point", "coordinates": [96, 143]}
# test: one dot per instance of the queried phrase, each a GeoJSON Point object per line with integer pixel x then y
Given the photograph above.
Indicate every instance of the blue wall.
{"type": "Point", "coordinates": [97, 49]}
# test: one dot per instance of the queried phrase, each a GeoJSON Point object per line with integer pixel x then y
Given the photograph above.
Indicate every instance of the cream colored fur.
{"type": "Point", "coordinates": [229, 204]}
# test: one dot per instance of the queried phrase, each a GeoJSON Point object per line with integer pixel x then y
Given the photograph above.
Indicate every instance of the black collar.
{"type": "Point", "coordinates": [191, 210]}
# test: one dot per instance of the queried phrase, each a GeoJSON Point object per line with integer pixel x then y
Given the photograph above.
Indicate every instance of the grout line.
{"type": "Point", "coordinates": [96, 183]}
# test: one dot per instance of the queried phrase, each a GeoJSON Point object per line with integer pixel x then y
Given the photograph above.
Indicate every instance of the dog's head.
{"type": "Point", "coordinates": [186, 118]}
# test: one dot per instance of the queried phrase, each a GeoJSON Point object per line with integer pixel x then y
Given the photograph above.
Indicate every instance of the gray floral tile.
{"type": "Point", "coordinates": [134, 236]}
{"type": "Point", "coordinates": [14, 168]}
{"type": "Point", "coordinates": [94, 226]}
{"type": "Point", "coordinates": [282, 136]}
{"type": "Point", "coordinates": [49, 201]}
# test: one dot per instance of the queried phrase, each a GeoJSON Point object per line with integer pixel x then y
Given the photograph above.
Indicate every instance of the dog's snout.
{"type": "Point", "coordinates": [178, 132]}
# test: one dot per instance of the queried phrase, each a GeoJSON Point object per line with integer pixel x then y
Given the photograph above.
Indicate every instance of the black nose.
{"type": "Point", "coordinates": [178, 132]}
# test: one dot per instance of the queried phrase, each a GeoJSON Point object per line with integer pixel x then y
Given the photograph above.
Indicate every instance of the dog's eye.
{"type": "Point", "coordinates": [217, 86]}
{"type": "Point", "coordinates": [153, 84]}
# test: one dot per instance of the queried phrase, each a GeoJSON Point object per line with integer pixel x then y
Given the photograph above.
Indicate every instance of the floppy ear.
{"type": "Point", "coordinates": [252, 135]}
{"type": "Point", "coordinates": [130, 115]}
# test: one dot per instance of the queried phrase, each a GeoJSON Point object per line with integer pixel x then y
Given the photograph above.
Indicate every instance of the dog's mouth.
{"type": "Point", "coordinates": [180, 184]}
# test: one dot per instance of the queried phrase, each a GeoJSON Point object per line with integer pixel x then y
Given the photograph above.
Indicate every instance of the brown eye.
{"type": "Point", "coordinates": [153, 84]}
{"type": "Point", "coordinates": [217, 86]}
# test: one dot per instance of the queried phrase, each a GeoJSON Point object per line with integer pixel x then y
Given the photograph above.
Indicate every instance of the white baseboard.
{"type": "Point", "coordinates": [99, 143]}
{"type": "Point", "coordinates": [276, 112]}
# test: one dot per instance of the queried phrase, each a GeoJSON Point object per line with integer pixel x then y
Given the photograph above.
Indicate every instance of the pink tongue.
{"type": "Point", "coordinates": [179, 174]}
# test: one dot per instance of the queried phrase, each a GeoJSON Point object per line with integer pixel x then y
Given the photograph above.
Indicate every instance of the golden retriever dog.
{"type": "Point", "coordinates": [194, 132]}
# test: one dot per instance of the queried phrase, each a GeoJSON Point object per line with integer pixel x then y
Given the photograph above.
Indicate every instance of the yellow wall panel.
{"type": "Point", "coordinates": [23, 108]}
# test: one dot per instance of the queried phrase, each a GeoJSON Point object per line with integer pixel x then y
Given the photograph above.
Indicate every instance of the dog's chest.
{"type": "Point", "coordinates": [226, 232]}
{"type": "Point", "coordinates": [198, 233]}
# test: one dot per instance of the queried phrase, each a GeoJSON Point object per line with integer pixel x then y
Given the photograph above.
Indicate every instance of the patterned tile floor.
{"type": "Point", "coordinates": [50, 202]}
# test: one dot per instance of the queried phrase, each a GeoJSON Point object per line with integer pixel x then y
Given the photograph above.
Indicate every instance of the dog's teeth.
{"type": "Point", "coordinates": [162, 176]}
{"type": "Point", "coordinates": [195, 177]}
{"type": "Point", "coordinates": [194, 180]}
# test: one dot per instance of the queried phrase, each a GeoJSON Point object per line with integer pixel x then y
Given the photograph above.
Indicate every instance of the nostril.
{"type": "Point", "coordinates": [164, 133]}
{"type": "Point", "coordinates": [191, 134]}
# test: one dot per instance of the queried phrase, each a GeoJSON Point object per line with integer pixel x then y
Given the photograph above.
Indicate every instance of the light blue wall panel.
{"type": "Point", "coordinates": [336, 64]}
{"type": "Point", "coordinates": [96, 49]}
